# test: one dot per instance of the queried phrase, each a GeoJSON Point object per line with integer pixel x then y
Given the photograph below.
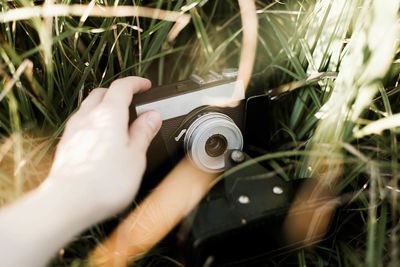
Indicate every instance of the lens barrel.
{"type": "Point", "coordinates": [209, 137]}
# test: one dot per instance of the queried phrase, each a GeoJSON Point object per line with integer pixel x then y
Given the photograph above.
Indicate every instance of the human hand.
{"type": "Point", "coordinates": [97, 170]}
{"type": "Point", "coordinates": [100, 154]}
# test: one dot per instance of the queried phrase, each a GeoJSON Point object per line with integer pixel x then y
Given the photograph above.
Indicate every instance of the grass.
{"type": "Point", "coordinates": [49, 65]}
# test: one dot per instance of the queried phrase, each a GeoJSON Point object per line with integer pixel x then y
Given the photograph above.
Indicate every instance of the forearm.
{"type": "Point", "coordinates": [35, 226]}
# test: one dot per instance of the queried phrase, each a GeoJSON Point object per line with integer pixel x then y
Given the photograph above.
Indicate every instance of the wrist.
{"type": "Point", "coordinates": [42, 221]}
{"type": "Point", "coordinates": [72, 201]}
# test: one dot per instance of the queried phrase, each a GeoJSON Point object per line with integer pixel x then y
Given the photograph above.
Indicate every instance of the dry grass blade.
{"type": "Point", "coordinates": [180, 23]}
{"type": "Point", "coordinates": [86, 10]}
{"type": "Point", "coordinates": [377, 127]}
{"type": "Point", "coordinates": [180, 19]}
{"type": "Point", "coordinates": [46, 34]}
{"type": "Point", "coordinates": [26, 64]}
{"type": "Point", "coordinates": [301, 83]}
{"type": "Point", "coordinates": [83, 19]}
{"type": "Point", "coordinates": [5, 147]}
{"type": "Point", "coordinates": [249, 41]}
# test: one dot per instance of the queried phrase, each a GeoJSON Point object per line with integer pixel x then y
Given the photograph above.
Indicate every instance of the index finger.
{"type": "Point", "coordinates": [119, 95]}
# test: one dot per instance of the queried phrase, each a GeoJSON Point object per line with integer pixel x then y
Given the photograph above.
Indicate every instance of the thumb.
{"type": "Point", "coordinates": [143, 130]}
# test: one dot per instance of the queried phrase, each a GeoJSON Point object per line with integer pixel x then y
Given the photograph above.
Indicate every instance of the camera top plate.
{"type": "Point", "coordinates": [180, 98]}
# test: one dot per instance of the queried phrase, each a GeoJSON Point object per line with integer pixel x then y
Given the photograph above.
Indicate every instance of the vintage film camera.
{"type": "Point", "coordinates": [239, 222]}
{"type": "Point", "coordinates": [192, 125]}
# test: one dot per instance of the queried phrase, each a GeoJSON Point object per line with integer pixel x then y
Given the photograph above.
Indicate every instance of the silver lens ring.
{"type": "Point", "coordinates": [201, 130]}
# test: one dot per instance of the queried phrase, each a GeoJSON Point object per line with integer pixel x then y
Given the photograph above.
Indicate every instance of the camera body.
{"type": "Point", "coordinates": [199, 121]}
{"type": "Point", "coordinates": [239, 222]}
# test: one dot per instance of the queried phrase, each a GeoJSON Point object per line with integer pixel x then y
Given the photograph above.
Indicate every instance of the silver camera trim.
{"type": "Point", "coordinates": [180, 105]}
{"type": "Point", "coordinates": [201, 130]}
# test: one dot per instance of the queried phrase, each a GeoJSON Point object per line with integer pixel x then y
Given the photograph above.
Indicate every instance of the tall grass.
{"type": "Point", "coordinates": [54, 54]}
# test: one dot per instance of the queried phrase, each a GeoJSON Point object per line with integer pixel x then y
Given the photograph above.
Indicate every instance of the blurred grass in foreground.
{"type": "Point", "coordinates": [48, 65]}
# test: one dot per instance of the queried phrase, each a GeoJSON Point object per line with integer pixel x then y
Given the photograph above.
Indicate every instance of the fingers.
{"type": "Point", "coordinates": [92, 100]}
{"type": "Point", "coordinates": [143, 130]}
{"type": "Point", "coordinates": [119, 95]}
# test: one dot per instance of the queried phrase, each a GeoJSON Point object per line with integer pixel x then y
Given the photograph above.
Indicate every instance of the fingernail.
{"type": "Point", "coordinates": [154, 120]}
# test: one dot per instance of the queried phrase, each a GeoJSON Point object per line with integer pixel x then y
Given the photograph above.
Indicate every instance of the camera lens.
{"type": "Point", "coordinates": [209, 137]}
{"type": "Point", "coordinates": [216, 145]}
